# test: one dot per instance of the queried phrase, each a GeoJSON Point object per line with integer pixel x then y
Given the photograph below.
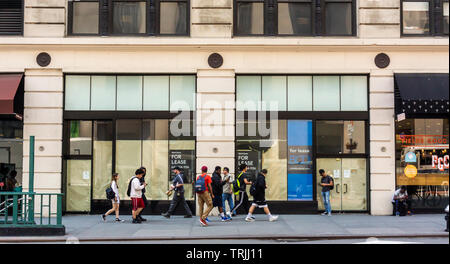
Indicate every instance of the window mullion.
{"type": "Point", "coordinates": [319, 6]}
{"type": "Point", "coordinates": [437, 17]}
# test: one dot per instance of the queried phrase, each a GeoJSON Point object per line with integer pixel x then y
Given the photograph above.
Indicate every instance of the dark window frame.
{"type": "Point", "coordinates": [436, 18]}
{"type": "Point", "coordinates": [105, 27]}
{"type": "Point", "coordinates": [22, 22]}
{"type": "Point", "coordinates": [318, 18]}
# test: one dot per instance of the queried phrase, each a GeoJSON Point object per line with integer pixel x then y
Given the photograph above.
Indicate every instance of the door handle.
{"type": "Point", "coordinates": [337, 187]}
{"type": "Point", "coordinates": [346, 188]}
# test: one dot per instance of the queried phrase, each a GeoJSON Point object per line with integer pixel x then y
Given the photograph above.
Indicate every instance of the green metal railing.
{"type": "Point", "coordinates": [17, 209]}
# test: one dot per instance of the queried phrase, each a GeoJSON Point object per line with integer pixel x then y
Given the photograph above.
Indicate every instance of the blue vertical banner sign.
{"type": "Point", "coordinates": [300, 160]}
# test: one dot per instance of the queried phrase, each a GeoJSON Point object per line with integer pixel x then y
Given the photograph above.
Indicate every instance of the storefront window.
{"type": "Point", "coordinates": [102, 158]}
{"type": "Point", "coordinates": [338, 137]}
{"type": "Point", "coordinates": [422, 161]}
{"type": "Point", "coordinates": [11, 150]}
{"type": "Point", "coordinates": [80, 138]}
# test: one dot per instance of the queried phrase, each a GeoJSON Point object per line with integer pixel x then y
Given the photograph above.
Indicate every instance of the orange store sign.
{"type": "Point", "coordinates": [412, 140]}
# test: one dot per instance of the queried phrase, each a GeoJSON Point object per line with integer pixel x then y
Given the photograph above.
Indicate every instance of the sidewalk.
{"type": "Point", "coordinates": [339, 226]}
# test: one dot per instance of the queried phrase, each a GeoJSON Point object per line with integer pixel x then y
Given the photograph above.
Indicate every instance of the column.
{"type": "Point", "coordinates": [382, 141]}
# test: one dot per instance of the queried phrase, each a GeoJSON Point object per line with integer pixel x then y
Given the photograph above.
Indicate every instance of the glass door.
{"type": "Point", "coordinates": [333, 167]}
{"type": "Point", "coordinates": [78, 186]}
{"type": "Point", "coordinates": [350, 190]}
{"type": "Point", "coordinates": [354, 189]}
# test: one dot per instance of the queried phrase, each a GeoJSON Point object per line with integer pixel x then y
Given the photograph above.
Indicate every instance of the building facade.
{"type": "Point", "coordinates": [109, 86]}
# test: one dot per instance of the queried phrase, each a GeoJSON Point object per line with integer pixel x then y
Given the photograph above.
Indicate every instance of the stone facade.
{"type": "Point", "coordinates": [212, 31]}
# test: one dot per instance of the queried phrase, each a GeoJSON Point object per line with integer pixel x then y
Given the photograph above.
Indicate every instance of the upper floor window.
{"type": "Point", "coordinates": [129, 17]}
{"type": "Point", "coordinates": [295, 17]}
{"type": "Point", "coordinates": [425, 17]}
{"type": "Point", "coordinates": [11, 17]}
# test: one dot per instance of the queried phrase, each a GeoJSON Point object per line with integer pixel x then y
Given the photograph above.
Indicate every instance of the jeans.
{"type": "Point", "coordinates": [326, 202]}
{"type": "Point", "coordinates": [178, 198]}
{"type": "Point", "coordinates": [228, 197]}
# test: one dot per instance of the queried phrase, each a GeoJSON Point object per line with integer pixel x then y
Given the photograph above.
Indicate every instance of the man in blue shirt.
{"type": "Point", "coordinates": [178, 196]}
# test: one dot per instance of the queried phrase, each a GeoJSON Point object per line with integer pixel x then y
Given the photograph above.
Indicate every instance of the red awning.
{"type": "Point", "coordinates": [9, 83]}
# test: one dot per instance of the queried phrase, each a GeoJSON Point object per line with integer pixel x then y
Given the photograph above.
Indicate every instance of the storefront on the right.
{"type": "Point", "coordinates": [422, 146]}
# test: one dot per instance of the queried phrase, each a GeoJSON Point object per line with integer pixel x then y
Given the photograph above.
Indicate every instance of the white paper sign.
{"type": "Point", "coordinates": [347, 173]}
{"type": "Point", "coordinates": [86, 175]}
{"type": "Point", "coordinates": [337, 173]}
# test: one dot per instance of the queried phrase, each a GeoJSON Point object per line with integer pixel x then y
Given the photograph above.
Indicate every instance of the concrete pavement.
{"type": "Point", "coordinates": [339, 226]}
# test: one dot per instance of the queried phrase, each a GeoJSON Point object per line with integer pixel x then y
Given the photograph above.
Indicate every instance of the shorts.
{"type": "Point", "coordinates": [116, 202]}
{"type": "Point", "coordinates": [217, 201]}
{"type": "Point", "coordinates": [137, 203]}
{"type": "Point", "coordinates": [260, 204]}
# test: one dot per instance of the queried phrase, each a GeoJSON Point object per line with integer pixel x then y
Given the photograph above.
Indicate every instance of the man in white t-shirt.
{"type": "Point", "coordinates": [401, 201]}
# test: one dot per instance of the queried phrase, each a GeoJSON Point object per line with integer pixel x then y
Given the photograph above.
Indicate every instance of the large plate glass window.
{"type": "Point", "coordinates": [422, 161]}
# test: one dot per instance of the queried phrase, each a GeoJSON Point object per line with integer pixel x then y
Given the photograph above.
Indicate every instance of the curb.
{"type": "Point", "coordinates": [280, 237]}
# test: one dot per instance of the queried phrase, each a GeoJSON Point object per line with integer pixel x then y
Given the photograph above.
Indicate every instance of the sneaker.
{"type": "Point", "coordinates": [324, 213]}
{"type": "Point", "coordinates": [104, 218]}
{"type": "Point", "coordinates": [166, 215]}
{"type": "Point", "coordinates": [207, 220]}
{"type": "Point", "coordinates": [329, 214]}
{"type": "Point", "coordinates": [141, 218]}
{"type": "Point", "coordinates": [203, 222]}
{"type": "Point", "coordinates": [188, 216]}
{"type": "Point", "coordinates": [252, 217]}
{"type": "Point", "coordinates": [249, 219]}
{"type": "Point", "coordinates": [225, 219]}
{"type": "Point", "coordinates": [273, 218]}
{"type": "Point", "coordinates": [119, 220]}
{"type": "Point", "coordinates": [136, 221]}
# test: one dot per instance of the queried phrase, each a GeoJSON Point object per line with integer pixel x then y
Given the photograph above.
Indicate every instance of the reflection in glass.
{"type": "Point", "coordinates": [102, 159]}
{"type": "Point", "coordinates": [129, 17]}
{"type": "Point", "coordinates": [173, 18]}
{"type": "Point", "coordinates": [337, 137]}
{"type": "Point", "coordinates": [250, 18]}
{"type": "Point", "coordinates": [294, 19]}
{"type": "Point", "coordinates": [271, 154]}
{"type": "Point", "coordinates": [423, 144]}
{"type": "Point", "coordinates": [446, 17]}
{"type": "Point", "coordinates": [85, 18]}
{"type": "Point", "coordinates": [416, 18]}
{"type": "Point", "coordinates": [338, 18]}
{"type": "Point", "coordinates": [80, 137]}
{"type": "Point", "coordinates": [78, 193]}
{"type": "Point", "coordinates": [128, 151]}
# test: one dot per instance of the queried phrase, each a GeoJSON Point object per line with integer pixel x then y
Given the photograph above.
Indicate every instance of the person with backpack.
{"type": "Point", "coordinates": [142, 180]}
{"type": "Point", "coordinates": [258, 191]}
{"type": "Point", "coordinates": [178, 196]}
{"type": "Point", "coordinates": [327, 184]}
{"type": "Point", "coordinates": [204, 195]}
{"type": "Point", "coordinates": [240, 189]}
{"type": "Point", "coordinates": [227, 192]}
{"type": "Point", "coordinates": [112, 193]}
{"type": "Point", "coordinates": [135, 192]}
{"type": "Point", "coordinates": [217, 189]}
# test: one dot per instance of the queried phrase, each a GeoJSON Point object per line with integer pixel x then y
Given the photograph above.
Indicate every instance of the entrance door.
{"type": "Point", "coordinates": [78, 186]}
{"type": "Point", "coordinates": [349, 193]}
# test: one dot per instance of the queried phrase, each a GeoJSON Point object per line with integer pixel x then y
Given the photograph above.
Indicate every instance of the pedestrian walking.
{"type": "Point", "coordinates": [258, 191]}
{"type": "Point", "coordinates": [217, 189]}
{"type": "Point", "coordinates": [203, 189]}
{"type": "Point", "coordinates": [178, 197]}
{"type": "Point", "coordinates": [227, 195]}
{"type": "Point", "coordinates": [327, 184]}
{"type": "Point", "coordinates": [135, 192]}
{"type": "Point", "coordinates": [116, 200]}
{"type": "Point", "coordinates": [241, 182]}
{"type": "Point", "coordinates": [144, 198]}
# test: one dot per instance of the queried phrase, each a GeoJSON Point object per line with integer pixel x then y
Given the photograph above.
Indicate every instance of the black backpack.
{"type": "Point", "coordinates": [253, 189]}
{"type": "Point", "coordinates": [332, 186]}
{"type": "Point", "coordinates": [110, 194]}
{"type": "Point", "coordinates": [129, 187]}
